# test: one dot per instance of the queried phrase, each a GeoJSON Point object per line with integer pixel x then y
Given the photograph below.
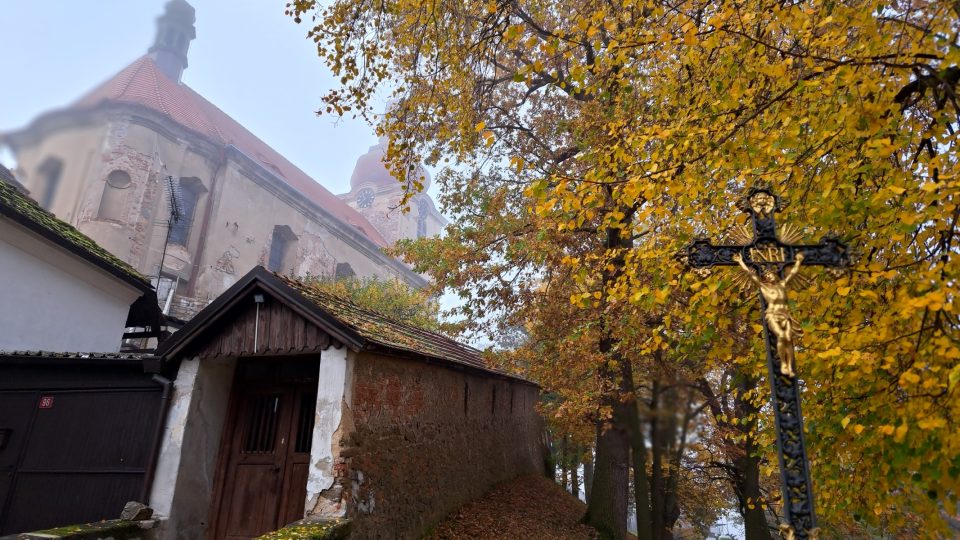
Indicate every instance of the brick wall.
{"type": "Point", "coordinates": [427, 439]}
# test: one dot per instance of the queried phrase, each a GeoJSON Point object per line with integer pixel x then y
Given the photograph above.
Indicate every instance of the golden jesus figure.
{"type": "Point", "coordinates": [779, 320]}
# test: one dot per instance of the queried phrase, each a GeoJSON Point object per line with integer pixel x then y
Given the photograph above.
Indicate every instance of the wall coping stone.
{"type": "Point", "coordinates": [312, 528]}
{"type": "Point", "coordinates": [113, 529]}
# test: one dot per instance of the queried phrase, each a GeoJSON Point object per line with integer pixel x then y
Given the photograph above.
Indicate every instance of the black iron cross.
{"type": "Point", "coordinates": [766, 252]}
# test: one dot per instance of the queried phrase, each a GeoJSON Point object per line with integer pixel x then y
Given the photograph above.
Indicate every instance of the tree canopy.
{"type": "Point", "coordinates": [390, 297]}
{"type": "Point", "coordinates": [592, 140]}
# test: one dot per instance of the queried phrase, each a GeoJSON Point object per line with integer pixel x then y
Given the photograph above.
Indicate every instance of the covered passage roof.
{"type": "Point", "coordinates": [344, 321]}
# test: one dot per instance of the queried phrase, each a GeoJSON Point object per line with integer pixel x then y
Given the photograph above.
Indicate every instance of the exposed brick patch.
{"type": "Point", "coordinates": [141, 197]}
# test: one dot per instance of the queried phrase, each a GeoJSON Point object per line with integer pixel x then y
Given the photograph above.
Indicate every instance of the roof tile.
{"type": "Point", "coordinates": [83, 355]}
{"type": "Point", "coordinates": [387, 332]}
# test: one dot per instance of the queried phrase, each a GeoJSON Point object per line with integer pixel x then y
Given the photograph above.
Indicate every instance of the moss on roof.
{"type": "Point", "coordinates": [25, 211]}
{"type": "Point", "coordinates": [7, 176]}
{"type": "Point", "coordinates": [384, 331]}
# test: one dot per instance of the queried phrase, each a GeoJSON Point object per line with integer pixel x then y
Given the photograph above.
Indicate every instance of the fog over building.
{"type": "Point", "coordinates": [143, 146]}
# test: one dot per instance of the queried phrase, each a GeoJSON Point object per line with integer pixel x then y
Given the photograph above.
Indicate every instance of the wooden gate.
{"type": "Point", "coordinates": [76, 439]}
{"type": "Point", "coordinates": [265, 455]}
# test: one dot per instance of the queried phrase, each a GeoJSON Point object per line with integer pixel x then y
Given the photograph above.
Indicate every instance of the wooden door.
{"type": "Point", "coordinates": [263, 475]}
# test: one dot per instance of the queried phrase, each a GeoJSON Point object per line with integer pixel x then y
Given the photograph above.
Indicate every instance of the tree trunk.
{"type": "Point", "coordinates": [656, 465]}
{"type": "Point", "coordinates": [741, 457]}
{"type": "Point", "coordinates": [574, 479]}
{"type": "Point", "coordinates": [553, 452]}
{"type": "Point", "coordinates": [562, 459]}
{"type": "Point", "coordinates": [607, 509]}
{"type": "Point", "coordinates": [671, 502]}
{"type": "Point", "coordinates": [748, 465]}
{"type": "Point", "coordinates": [641, 485]}
{"type": "Point", "coordinates": [748, 494]}
{"type": "Point", "coordinates": [587, 473]}
{"type": "Point", "coordinates": [667, 444]}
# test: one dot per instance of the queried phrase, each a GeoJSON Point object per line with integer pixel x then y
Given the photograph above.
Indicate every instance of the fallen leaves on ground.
{"type": "Point", "coordinates": [528, 508]}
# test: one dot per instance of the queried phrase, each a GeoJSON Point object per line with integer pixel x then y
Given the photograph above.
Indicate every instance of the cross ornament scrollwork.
{"type": "Point", "coordinates": [771, 262]}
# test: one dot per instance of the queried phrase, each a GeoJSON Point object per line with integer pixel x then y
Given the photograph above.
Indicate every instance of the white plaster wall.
{"type": "Point", "coordinates": [54, 301]}
{"type": "Point", "coordinates": [333, 396]}
{"type": "Point", "coordinates": [168, 461]}
{"type": "Point", "coordinates": [183, 483]}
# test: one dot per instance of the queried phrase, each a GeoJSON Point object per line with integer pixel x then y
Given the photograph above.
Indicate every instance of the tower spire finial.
{"type": "Point", "coordinates": [175, 31]}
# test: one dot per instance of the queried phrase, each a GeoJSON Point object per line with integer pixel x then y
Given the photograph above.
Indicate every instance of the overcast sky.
{"type": "Point", "coordinates": [249, 59]}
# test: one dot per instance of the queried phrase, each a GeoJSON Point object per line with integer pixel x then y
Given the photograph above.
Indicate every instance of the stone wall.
{"type": "Point", "coordinates": [426, 439]}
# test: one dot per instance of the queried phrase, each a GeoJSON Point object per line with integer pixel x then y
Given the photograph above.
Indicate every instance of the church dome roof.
{"type": "Point", "coordinates": [370, 170]}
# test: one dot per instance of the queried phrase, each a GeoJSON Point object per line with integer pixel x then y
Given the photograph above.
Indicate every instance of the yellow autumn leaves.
{"type": "Point", "coordinates": [651, 119]}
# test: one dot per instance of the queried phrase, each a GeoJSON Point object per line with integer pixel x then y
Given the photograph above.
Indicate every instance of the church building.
{"type": "Point", "coordinates": [183, 193]}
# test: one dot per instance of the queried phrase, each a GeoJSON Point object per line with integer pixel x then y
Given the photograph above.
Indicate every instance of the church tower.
{"type": "Point", "coordinates": [376, 194]}
{"type": "Point", "coordinates": [175, 31]}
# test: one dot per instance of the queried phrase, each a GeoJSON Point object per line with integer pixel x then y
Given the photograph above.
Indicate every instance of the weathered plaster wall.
{"type": "Point", "coordinates": [245, 202]}
{"type": "Point", "coordinates": [241, 232]}
{"type": "Point", "coordinates": [90, 151]}
{"type": "Point", "coordinates": [55, 301]}
{"type": "Point", "coordinates": [77, 146]}
{"type": "Point", "coordinates": [183, 484]}
{"type": "Point", "coordinates": [148, 155]}
{"type": "Point", "coordinates": [333, 394]}
{"type": "Point", "coordinates": [427, 439]}
{"type": "Point", "coordinates": [171, 440]}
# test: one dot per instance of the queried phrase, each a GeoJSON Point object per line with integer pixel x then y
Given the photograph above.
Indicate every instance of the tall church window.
{"type": "Point", "coordinates": [187, 194]}
{"type": "Point", "coordinates": [282, 249]}
{"type": "Point", "coordinates": [49, 176]}
{"type": "Point", "coordinates": [114, 199]}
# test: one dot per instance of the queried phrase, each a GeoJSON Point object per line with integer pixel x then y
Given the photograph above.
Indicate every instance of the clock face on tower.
{"type": "Point", "coordinates": [365, 198]}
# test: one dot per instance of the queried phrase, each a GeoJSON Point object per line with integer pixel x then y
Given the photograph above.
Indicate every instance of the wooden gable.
{"type": "Point", "coordinates": [273, 330]}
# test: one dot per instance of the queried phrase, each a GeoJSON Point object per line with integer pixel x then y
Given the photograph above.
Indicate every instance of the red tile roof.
{"type": "Point", "coordinates": [142, 83]}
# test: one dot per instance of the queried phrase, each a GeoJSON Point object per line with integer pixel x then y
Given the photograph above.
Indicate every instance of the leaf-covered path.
{"type": "Point", "coordinates": [528, 508]}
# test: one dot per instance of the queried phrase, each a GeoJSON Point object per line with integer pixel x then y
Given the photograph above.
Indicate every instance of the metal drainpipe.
{"type": "Point", "coordinates": [157, 437]}
{"type": "Point", "coordinates": [207, 216]}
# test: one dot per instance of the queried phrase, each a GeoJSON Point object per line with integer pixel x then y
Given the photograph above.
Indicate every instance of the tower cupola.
{"type": "Point", "coordinates": [175, 31]}
{"type": "Point", "coordinates": [370, 169]}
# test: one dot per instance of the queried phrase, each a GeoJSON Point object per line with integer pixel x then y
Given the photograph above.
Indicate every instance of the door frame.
{"type": "Point", "coordinates": [238, 390]}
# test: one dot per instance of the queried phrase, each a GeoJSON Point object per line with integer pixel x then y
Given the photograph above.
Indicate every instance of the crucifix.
{"type": "Point", "coordinates": [769, 259]}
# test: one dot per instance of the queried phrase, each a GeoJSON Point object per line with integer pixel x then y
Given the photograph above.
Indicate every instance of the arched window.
{"type": "Point", "coordinates": [187, 193]}
{"type": "Point", "coordinates": [283, 249]}
{"type": "Point", "coordinates": [114, 199]}
{"type": "Point", "coordinates": [48, 181]}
